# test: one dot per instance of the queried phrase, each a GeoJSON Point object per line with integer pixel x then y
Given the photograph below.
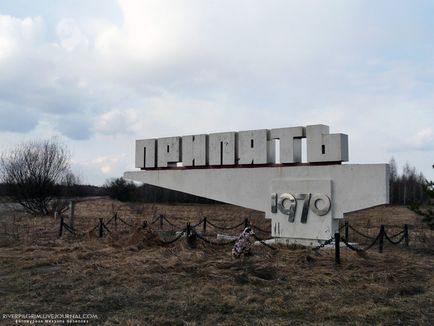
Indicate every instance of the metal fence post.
{"type": "Point", "coordinates": [116, 220]}
{"type": "Point", "coordinates": [381, 239]}
{"type": "Point", "coordinates": [188, 230]}
{"type": "Point", "coordinates": [337, 248]}
{"type": "Point", "coordinates": [246, 223]}
{"type": "Point", "coordinates": [61, 226]}
{"type": "Point", "coordinates": [346, 232]}
{"type": "Point", "coordinates": [406, 236]}
{"type": "Point", "coordinates": [161, 221]}
{"type": "Point", "coordinates": [191, 236]}
{"type": "Point", "coordinates": [101, 231]}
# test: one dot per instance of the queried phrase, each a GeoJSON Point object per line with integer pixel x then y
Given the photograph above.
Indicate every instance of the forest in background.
{"type": "Point", "coordinates": [409, 187]}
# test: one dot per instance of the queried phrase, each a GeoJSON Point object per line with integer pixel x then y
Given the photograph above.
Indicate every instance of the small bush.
{"type": "Point", "coordinates": [121, 189]}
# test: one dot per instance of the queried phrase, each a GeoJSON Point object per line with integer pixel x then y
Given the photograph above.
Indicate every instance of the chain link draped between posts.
{"type": "Point", "coordinates": [394, 236]}
{"type": "Point", "coordinates": [201, 237]}
{"type": "Point", "coordinates": [345, 241]}
{"type": "Point", "coordinates": [113, 218]}
{"type": "Point", "coordinates": [191, 234]}
{"type": "Point", "coordinates": [168, 222]}
{"type": "Point", "coordinates": [65, 226]}
{"type": "Point", "coordinates": [125, 222]}
{"type": "Point", "coordinates": [351, 246]}
{"type": "Point", "coordinates": [262, 241]}
{"type": "Point", "coordinates": [215, 243]}
{"type": "Point", "coordinates": [378, 239]}
{"type": "Point", "coordinates": [325, 243]}
{"type": "Point", "coordinates": [198, 223]}
{"type": "Point", "coordinates": [225, 227]}
{"type": "Point", "coordinates": [155, 220]}
{"type": "Point", "coordinates": [93, 229]}
{"type": "Point", "coordinates": [101, 225]}
{"type": "Point", "coordinates": [173, 240]}
{"type": "Point", "coordinates": [106, 228]}
{"type": "Point", "coordinates": [360, 233]}
{"type": "Point", "coordinates": [205, 221]}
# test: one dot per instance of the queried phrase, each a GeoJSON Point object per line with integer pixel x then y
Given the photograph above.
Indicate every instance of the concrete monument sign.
{"type": "Point", "coordinates": [262, 170]}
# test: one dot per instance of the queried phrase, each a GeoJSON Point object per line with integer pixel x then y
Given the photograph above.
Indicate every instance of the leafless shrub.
{"type": "Point", "coordinates": [37, 172]}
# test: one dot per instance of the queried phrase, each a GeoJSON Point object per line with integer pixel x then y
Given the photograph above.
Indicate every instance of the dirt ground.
{"type": "Point", "coordinates": [127, 278]}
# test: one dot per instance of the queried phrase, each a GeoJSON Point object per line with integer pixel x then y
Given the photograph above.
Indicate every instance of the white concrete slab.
{"type": "Point", "coordinates": [353, 186]}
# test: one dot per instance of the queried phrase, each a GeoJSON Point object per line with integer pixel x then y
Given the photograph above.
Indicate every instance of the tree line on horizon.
{"type": "Point", "coordinates": [408, 187]}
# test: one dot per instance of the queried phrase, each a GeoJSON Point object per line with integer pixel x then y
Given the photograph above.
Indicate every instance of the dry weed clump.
{"type": "Point", "coordinates": [127, 278]}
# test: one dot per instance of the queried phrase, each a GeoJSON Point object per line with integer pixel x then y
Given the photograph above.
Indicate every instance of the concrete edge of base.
{"type": "Point", "coordinates": [304, 243]}
{"type": "Point", "coordinates": [289, 242]}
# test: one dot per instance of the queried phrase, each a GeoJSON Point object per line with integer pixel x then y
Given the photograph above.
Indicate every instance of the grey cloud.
{"type": "Point", "coordinates": [74, 127]}
{"type": "Point", "coordinates": [16, 119]}
{"type": "Point", "coordinates": [284, 64]}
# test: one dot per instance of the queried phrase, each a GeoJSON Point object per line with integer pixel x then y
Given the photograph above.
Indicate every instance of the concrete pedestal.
{"type": "Point", "coordinates": [349, 187]}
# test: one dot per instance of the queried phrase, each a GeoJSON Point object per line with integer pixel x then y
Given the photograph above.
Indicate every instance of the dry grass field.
{"type": "Point", "coordinates": [127, 279]}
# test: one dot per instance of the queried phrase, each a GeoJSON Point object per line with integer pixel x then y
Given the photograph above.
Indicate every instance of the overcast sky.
{"type": "Point", "coordinates": [99, 74]}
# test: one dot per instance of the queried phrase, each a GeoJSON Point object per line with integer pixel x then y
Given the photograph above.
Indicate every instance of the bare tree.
{"type": "Point", "coordinates": [33, 172]}
{"type": "Point", "coordinates": [393, 190]}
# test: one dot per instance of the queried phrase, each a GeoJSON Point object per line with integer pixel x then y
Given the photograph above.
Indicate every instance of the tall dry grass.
{"type": "Point", "coordinates": [128, 279]}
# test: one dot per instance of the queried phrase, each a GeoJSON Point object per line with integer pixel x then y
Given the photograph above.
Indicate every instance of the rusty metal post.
{"type": "Point", "coordinates": [61, 226]}
{"type": "Point", "coordinates": [346, 232]}
{"type": "Point", "coordinates": [381, 240]}
{"type": "Point", "coordinates": [188, 230]}
{"type": "Point", "coordinates": [101, 229]}
{"type": "Point", "coordinates": [337, 248]}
